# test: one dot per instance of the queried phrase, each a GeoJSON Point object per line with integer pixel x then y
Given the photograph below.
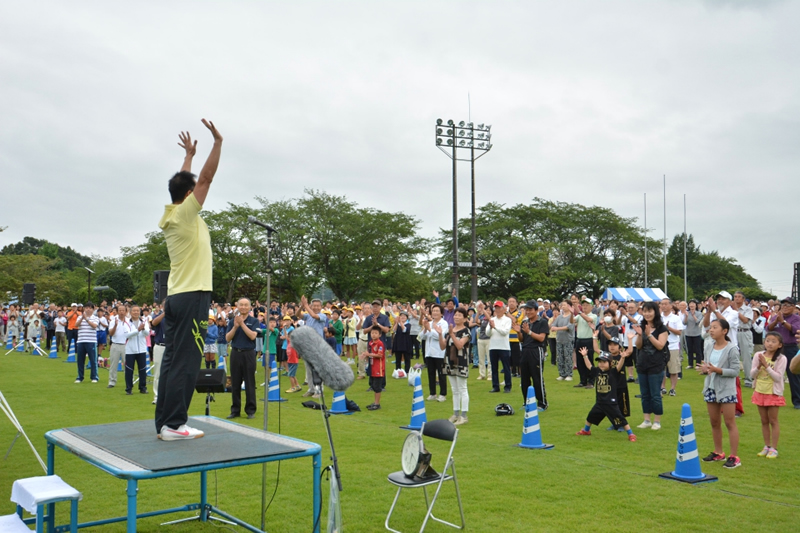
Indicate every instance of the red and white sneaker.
{"type": "Point", "coordinates": [583, 432]}
{"type": "Point", "coordinates": [182, 433]}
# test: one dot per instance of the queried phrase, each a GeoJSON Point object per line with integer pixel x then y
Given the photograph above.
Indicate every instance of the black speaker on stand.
{"type": "Point", "coordinates": [28, 293]}
{"type": "Point", "coordinates": [160, 278]}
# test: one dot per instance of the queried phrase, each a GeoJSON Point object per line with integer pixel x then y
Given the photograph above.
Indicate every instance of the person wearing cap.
{"type": "Point", "coordinates": [759, 322]}
{"type": "Point", "coordinates": [787, 323]}
{"type": "Point", "coordinates": [617, 353]}
{"type": "Point", "coordinates": [607, 376]}
{"type": "Point", "coordinates": [744, 333]}
{"type": "Point", "coordinates": [210, 345]}
{"type": "Point", "coordinates": [349, 338]}
{"type": "Point", "coordinates": [533, 333]}
{"type": "Point", "coordinates": [584, 330]}
{"type": "Point", "coordinates": [516, 316]}
{"type": "Point", "coordinates": [498, 329]}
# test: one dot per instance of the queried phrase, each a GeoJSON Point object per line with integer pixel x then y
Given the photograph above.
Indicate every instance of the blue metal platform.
{"type": "Point", "coordinates": [131, 451]}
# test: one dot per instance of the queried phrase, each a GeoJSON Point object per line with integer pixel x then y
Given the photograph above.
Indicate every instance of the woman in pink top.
{"type": "Point", "coordinates": [767, 375]}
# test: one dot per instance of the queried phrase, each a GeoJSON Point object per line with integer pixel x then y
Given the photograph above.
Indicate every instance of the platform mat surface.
{"type": "Point", "coordinates": [137, 442]}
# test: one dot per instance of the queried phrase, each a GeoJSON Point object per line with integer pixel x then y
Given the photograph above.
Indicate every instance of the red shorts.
{"type": "Point", "coordinates": [768, 400]}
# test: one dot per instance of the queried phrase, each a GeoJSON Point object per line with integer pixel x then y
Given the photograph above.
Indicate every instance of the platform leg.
{"type": "Point", "coordinates": [73, 517]}
{"type": "Point", "coordinates": [317, 492]}
{"type": "Point", "coordinates": [132, 488]}
{"type": "Point", "coordinates": [203, 496]}
{"type": "Point", "coordinates": [51, 469]}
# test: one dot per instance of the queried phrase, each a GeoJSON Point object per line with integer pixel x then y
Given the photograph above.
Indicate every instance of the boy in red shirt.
{"type": "Point", "coordinates": [378, 364]}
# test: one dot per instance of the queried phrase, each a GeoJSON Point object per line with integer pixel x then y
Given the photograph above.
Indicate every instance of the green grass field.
{"type": "Point", "coordinates": [592, 483]}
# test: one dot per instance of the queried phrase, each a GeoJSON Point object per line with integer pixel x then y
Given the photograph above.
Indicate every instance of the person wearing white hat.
{"type": "Point", "coordinates": [744, 333]}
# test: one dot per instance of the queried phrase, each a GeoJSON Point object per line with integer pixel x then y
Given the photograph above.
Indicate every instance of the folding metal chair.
{"type": "Point", "coordinates": [436, 429]}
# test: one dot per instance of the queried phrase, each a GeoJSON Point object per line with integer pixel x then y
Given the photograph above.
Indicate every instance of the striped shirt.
{"type": "Point", "coordinates": [87, 333]}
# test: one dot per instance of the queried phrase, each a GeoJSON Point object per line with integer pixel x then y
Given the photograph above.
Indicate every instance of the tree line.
{"type": "Point", "coordinates": [538, 249]}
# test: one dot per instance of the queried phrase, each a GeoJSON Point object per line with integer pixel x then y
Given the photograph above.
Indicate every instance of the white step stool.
{"type": "Point", "coordinates": [32, 494]}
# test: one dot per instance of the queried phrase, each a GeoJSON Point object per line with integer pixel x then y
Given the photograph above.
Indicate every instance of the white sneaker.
{"type": "Point", "coordinates": [454, 418]}
{"type": "Point", "coordinates": [656, 426]}
{"type": "Point", "coordinates": [431, 397]}
{"type": "Point", "coordinates": [441, 398]}
{"type": "Point", "coordinates": [94, 381]}
{"type": "Point", "coordinates": [77, 381]}
{"type": "Point", "coordinates": [461, 421]}
{"type": "Point", "coordinates": [182, 433]}
{"type": "Point", "coordinates": [646, 424]}
{"type": "Point", "coordinates": [568, 378]}
{"type": "Point", "coordinates": [559, 378]}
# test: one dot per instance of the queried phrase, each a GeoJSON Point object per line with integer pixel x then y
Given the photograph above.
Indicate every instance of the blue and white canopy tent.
{"type": "Point", "coordinates": [637, 295]}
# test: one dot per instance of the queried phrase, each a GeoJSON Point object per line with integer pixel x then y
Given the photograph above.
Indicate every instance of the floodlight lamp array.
{"type": "Point", "coordinates": [463, 135]}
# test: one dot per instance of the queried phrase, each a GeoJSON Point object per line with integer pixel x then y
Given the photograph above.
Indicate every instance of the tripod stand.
{"type": "Point", "coordinates": [36, 348]}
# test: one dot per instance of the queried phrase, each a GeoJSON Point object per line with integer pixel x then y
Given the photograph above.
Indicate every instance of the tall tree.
{"type": "Point", "coordinates": [547, 249]}
{"type": "Point", "coordinates": [355, 248]}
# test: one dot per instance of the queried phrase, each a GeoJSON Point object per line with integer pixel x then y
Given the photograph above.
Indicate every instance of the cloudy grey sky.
{"type": "Point", "coordinates": [590, 102]}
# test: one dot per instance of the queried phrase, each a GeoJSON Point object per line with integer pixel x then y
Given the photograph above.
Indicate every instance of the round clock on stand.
{"type": "Point", "coordinates": [416, 459]}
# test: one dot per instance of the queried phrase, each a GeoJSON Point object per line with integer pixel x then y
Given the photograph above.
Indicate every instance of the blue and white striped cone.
{"type": "Point", "coordinates": [71, 353]}
{"type": "Point", "coordinates": [687, 460]}
{"type": "Point", "coordinates": [9, 343]}
{"type": "Point", "coordinates": [21, 346]}
{"type": "Point", "coordinates": [339, 406]}
{"type": "Point", "coordinates": [274, 394]}
{"type": "Point", "coordinates": [418, 416]}
{"type": "Point", "coordinates": [221, 362]}
{"type": "Point", "coordinates": [53, 351]}
{"type": "Point", "coordinates": [37, 346]}
{"type": "Point", "coordinates": [119, 366]}
{"type": "Point", "coordinates": [531, 434]}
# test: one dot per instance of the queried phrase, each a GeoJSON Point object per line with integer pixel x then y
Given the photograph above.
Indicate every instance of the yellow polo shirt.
{"type": "Point", "coordinates": [189, 247]}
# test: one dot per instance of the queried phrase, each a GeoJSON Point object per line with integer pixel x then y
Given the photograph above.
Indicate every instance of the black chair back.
{"type": "Point", "coordinates": [439, 429]}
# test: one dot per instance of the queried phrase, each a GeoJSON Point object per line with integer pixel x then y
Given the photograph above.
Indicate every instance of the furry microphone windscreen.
{"type": "Point", "coordinates": [313, 349]}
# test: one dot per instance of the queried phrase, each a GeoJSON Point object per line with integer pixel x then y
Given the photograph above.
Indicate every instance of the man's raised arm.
{"type": "Point", "coordinates": [210, 168]}
{"type": "Point", "coordinates": [190, 147]}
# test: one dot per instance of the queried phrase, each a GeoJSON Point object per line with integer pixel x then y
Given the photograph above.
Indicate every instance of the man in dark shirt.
{"type": "Point", "coordinates": [534, 332]}
{"type": "Point", "coordinates": [241, 334]}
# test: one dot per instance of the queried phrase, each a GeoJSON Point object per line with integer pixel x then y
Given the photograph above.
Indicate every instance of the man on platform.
{"type": "Point", "coordinates": [242, 333]}
{"type": "Point", "coordinates": [188, 290]}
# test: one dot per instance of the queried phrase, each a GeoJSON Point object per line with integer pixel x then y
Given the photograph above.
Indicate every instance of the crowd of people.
{"type": "Point", "coordinates": [733, 341]}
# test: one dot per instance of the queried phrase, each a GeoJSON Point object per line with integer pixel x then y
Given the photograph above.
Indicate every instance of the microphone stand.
{"type": "Point", "coordinates": [317, 381]}
{"type": "Point", "coordinates": [270, 245]}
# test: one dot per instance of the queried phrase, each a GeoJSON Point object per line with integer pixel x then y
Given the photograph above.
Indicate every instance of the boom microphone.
{"type": "Point", "coordinates": [309, 345]}
{"type": "Point", "coordinates": [253, 220]}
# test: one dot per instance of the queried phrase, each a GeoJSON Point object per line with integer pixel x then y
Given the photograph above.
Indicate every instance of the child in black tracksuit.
{"type": "Point", "coordinates": [606, 379]}
{"type": "Point", "coordinates": [615, 350]}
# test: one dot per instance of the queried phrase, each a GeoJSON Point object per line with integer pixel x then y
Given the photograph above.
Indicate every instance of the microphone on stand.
{"type": "Point", "coordinates": [331, 370]}
{"type": "Point", "coordinates": [253, 220]}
